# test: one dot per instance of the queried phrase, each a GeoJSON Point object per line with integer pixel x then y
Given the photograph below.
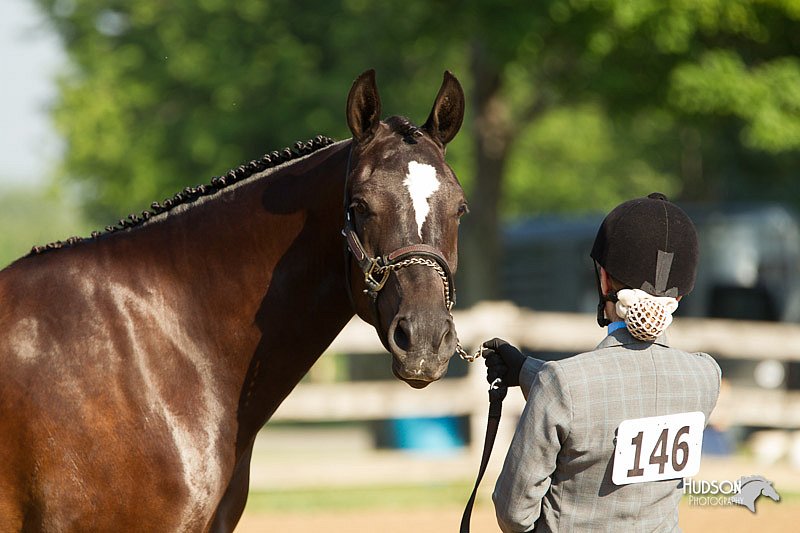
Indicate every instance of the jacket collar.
{"type": "Point", "coordinates": [623, 337]}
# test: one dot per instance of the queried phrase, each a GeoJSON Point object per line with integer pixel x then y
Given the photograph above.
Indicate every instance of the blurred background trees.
{"type": "Point", "coordinates": [573, 105]}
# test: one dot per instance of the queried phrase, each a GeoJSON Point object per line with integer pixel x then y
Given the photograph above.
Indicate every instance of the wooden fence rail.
{"type": "Point", "coordinates": [547, 332]}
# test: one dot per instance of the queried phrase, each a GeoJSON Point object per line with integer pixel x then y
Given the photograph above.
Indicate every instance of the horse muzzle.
{"type": "Point", "coordinates": [421, 347]}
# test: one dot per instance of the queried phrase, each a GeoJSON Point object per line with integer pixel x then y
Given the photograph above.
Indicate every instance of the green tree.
{"type": "Point", "coordinates": [583, 102]}
{"type": "Point", "coordinates": [166, 94]}
{"type": "Point", "coordinates": [573, 104]}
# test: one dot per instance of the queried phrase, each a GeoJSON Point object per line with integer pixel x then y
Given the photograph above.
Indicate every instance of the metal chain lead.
{"type": "Point", "coordinates": [470, 358]}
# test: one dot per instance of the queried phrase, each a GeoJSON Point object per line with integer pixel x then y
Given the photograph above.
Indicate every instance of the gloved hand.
{"type": "Point", "coordinates": [503, 361]}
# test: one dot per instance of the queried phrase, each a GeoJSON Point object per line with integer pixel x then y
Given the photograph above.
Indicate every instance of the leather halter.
{"type": "Point", "coordinates": [378, 269]}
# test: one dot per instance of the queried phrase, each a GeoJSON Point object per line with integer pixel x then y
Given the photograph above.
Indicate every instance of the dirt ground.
{"type": "Point", "coordinates": [770, 517]}
{"type": "Point", "coordinates": [278, 469]}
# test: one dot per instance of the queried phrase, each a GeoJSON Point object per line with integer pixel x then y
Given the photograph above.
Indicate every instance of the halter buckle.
{"type": "Point", "coordinates": [375, 285]}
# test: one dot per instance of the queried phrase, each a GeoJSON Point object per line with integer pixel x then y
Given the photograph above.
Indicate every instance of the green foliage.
{"type": "Point", "coordinates": [766, 97]}
{"type": "Point", "coordinates": [698, 99]}
{"type": "Point", "coordinates": [577, 159]}
{"type": "Point", "coordinates": [167, 94]}
{"type": "Point", "coordinates": [30, 217]}
{"type": "Point", "coordinates": [599, 100]}
{"type": "Point", "coordinates": [732, 89]}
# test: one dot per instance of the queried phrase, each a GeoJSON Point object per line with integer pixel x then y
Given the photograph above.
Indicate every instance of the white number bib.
{"type": "Point", "coordinates": [658, 448]}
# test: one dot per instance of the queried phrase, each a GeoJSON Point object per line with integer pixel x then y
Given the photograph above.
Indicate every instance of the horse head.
{"type": "Point", "coordinates": [769, 491]}
{"type": "Point", "coordinates": [402, 208]}
{"type": "Point", "coordinates": [751, 488]}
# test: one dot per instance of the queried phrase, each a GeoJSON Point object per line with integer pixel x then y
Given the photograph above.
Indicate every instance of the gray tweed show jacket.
{"type": "Point", "coordinates": [557, 474]}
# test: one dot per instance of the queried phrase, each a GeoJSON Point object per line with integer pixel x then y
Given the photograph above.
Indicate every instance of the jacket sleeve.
{"type": "Point", "coordinates": [531, 460]}
{"type": "Point", "coordinates": [713, 383]}
{"type": "Point", "coordinates": [527, 374]}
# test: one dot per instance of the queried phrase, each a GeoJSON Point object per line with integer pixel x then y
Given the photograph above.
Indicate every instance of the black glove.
{"type": "Point", "coordinates": [503, 361]}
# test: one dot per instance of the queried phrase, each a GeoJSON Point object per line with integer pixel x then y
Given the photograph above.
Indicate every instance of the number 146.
{"type": "Point", "coordinates": [662, 452]}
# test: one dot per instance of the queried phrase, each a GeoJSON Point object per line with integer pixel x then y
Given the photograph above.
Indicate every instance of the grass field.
{"type": "Point", "coordinates": [438, 508]}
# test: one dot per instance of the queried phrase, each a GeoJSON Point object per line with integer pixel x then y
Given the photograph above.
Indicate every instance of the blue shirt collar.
{"type": "Point", "coordinates": [614, 326]}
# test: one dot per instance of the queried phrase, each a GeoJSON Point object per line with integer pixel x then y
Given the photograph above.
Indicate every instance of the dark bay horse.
{"type": "Point", "coordinates": [136, 367]}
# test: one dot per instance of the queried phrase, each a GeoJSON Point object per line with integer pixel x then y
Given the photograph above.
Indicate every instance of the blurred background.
{"type": "Point", "coordinates": [572, 107]}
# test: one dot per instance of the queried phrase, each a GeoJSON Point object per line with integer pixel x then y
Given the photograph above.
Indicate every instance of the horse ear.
{"type": "Point", "coordinates": [448, 111]}
{"type": "Point", "coordinates": [364, 106]}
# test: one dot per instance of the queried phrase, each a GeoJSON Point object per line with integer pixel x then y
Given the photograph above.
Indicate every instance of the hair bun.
{"type": "Point", "coordinates": [646, 316]}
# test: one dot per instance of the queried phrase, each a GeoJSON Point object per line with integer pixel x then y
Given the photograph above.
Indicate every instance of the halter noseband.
{"type": "Point", "coordinates": [378, 269]}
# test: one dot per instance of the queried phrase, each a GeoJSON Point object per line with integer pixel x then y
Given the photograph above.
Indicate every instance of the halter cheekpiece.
{"type": "Point", "coordinates": [378, 269]}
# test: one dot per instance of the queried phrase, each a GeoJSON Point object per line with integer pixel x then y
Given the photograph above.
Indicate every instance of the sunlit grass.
{"type": "Point", "coordinates": [343, 499]}
{"type": "Point", "coordinates": [385, 497]}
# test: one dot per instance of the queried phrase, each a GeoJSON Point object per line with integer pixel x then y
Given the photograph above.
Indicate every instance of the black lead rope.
{"type": "Point", "coordinates": [497, 393]}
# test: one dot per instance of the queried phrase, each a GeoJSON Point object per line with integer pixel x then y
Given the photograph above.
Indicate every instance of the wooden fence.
{"type": "Point", "coordinates": [546, 332]}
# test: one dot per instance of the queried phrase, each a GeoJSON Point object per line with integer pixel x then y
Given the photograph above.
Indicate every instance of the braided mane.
{"type": "Point", "coordinates": [190, 194]}
{"type": "Point", "coordinates": [404, 127]}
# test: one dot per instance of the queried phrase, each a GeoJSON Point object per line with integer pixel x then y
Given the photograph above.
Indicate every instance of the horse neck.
{"type": "Point", "coordinates": [269, 290]}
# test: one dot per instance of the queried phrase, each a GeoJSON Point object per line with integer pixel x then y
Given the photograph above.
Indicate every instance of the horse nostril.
{"type": "Point", "coordinates": [448, 335]}
{"type": "Point", "coordinates": [402, 335]}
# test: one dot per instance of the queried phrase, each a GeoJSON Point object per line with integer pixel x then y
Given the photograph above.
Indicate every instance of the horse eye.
{"type": "Point", "coordinates": [463, 209]}
{"type": "Point", "coordinates": [360, 207]}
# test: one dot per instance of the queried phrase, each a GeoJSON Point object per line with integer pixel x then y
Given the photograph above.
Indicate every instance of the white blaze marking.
{"type": "Point", "coordinates": [421, 183]}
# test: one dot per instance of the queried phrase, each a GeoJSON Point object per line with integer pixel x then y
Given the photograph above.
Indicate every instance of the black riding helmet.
{"type": "Point", "coordinates": [649, 244]}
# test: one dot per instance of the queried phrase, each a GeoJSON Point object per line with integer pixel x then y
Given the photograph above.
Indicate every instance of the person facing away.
{"type": "Point", "coordinates": [557, 475]}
